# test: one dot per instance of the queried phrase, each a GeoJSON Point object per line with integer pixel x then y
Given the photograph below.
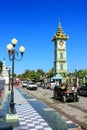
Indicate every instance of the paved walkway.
{"type": "Point", "coordinates": [29, 119]}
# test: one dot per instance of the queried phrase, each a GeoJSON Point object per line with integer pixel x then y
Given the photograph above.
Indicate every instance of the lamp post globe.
{"type": "Point", "coordinates": [9, 47]}
{"type": "Point", "coordinates": [14, 41]}
{"type": "Point", "coordinates": [22, 49]}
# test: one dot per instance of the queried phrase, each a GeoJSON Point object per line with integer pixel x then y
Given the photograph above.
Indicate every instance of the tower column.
{"type": "Point", "coordinates": [60, 58]}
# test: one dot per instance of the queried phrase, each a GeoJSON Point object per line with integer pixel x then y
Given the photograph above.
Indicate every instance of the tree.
{"type": "Point", "coordinates": [50, 73]}
{"type": "Point", "coordinates": [40, 72]}
{"type": "Point", "coordinates": [31, 74]}
{"type": "Point", "coordinates": [1, 64]}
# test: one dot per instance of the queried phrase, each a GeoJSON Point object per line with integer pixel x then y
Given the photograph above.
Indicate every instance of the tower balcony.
{"type": "Point", "coordinates": [61, 60]}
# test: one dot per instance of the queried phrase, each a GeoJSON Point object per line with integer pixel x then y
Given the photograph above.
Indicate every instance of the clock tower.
{"type": "Point", "coordinates": [60, 58]}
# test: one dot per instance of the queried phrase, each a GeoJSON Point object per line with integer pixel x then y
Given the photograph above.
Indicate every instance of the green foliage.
{"type": "Point", "coordinates": [32, 74]}
{"type": "Point", "coordinates": [82, 73]}
{"type": "Point", "coordinates": [50, 73]}
{"type": "Point", "coordinates": [1, 64]}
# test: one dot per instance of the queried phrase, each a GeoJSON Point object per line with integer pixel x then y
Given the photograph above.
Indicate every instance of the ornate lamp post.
{"type": "Point", "coordinates": [12, 56]}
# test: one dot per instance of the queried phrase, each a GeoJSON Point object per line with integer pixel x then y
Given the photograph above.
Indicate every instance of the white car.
{"type": "Point", "coordinates": [24, 83]}
{"type": "Point", "coordinates": [32, 85]}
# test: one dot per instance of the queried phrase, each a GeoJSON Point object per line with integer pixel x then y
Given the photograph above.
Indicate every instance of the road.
{"type": "Point", "coordinates": [75, 111]}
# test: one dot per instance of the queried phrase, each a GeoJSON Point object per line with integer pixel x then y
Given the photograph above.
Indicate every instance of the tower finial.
{"type": "Point", "coordinates": [59, 24]}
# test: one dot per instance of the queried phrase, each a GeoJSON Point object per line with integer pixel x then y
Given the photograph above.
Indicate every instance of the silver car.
{"type": "Point", "coordinates": [32, 86]}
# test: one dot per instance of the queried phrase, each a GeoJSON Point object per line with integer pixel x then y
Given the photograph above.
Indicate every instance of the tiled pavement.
{"type": "Point", "coordinates": [30, 119]}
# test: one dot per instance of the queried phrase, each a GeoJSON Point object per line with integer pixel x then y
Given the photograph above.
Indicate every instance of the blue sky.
{"type": "Point", "coordinates": [34, 22]}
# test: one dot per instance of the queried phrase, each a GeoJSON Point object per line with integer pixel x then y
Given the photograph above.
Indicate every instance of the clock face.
{"type": "Point", "coordinates": [61, 42]}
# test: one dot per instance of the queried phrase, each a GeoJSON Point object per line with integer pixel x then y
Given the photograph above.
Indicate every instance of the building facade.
{"type": "Point", "coordinates": [60, 56]}
{"type": "Point", "coordinates": [5, 73]}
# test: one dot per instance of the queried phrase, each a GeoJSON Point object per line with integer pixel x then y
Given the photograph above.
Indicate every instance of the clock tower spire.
{"type": "Point", "coordinates": [60, 59]}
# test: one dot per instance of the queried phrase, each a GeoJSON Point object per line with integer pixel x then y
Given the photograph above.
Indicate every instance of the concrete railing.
{"type": "Point", "coordinates": [2, 84]}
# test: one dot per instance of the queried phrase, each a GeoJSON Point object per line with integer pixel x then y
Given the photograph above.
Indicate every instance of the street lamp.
{"type": "Point", "coordinates": [12, 56]}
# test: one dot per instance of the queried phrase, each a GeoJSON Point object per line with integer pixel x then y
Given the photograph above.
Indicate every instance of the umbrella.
{"type": "Point", "coordinates": [57, 77]}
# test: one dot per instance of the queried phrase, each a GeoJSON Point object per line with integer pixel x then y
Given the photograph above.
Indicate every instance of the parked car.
{"type": "Point", "coordinates": [82, 90]}
{"type": "Point", "coordinates": [32, 86]}
{"type": "Point", "coordinates": [24, 83]}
